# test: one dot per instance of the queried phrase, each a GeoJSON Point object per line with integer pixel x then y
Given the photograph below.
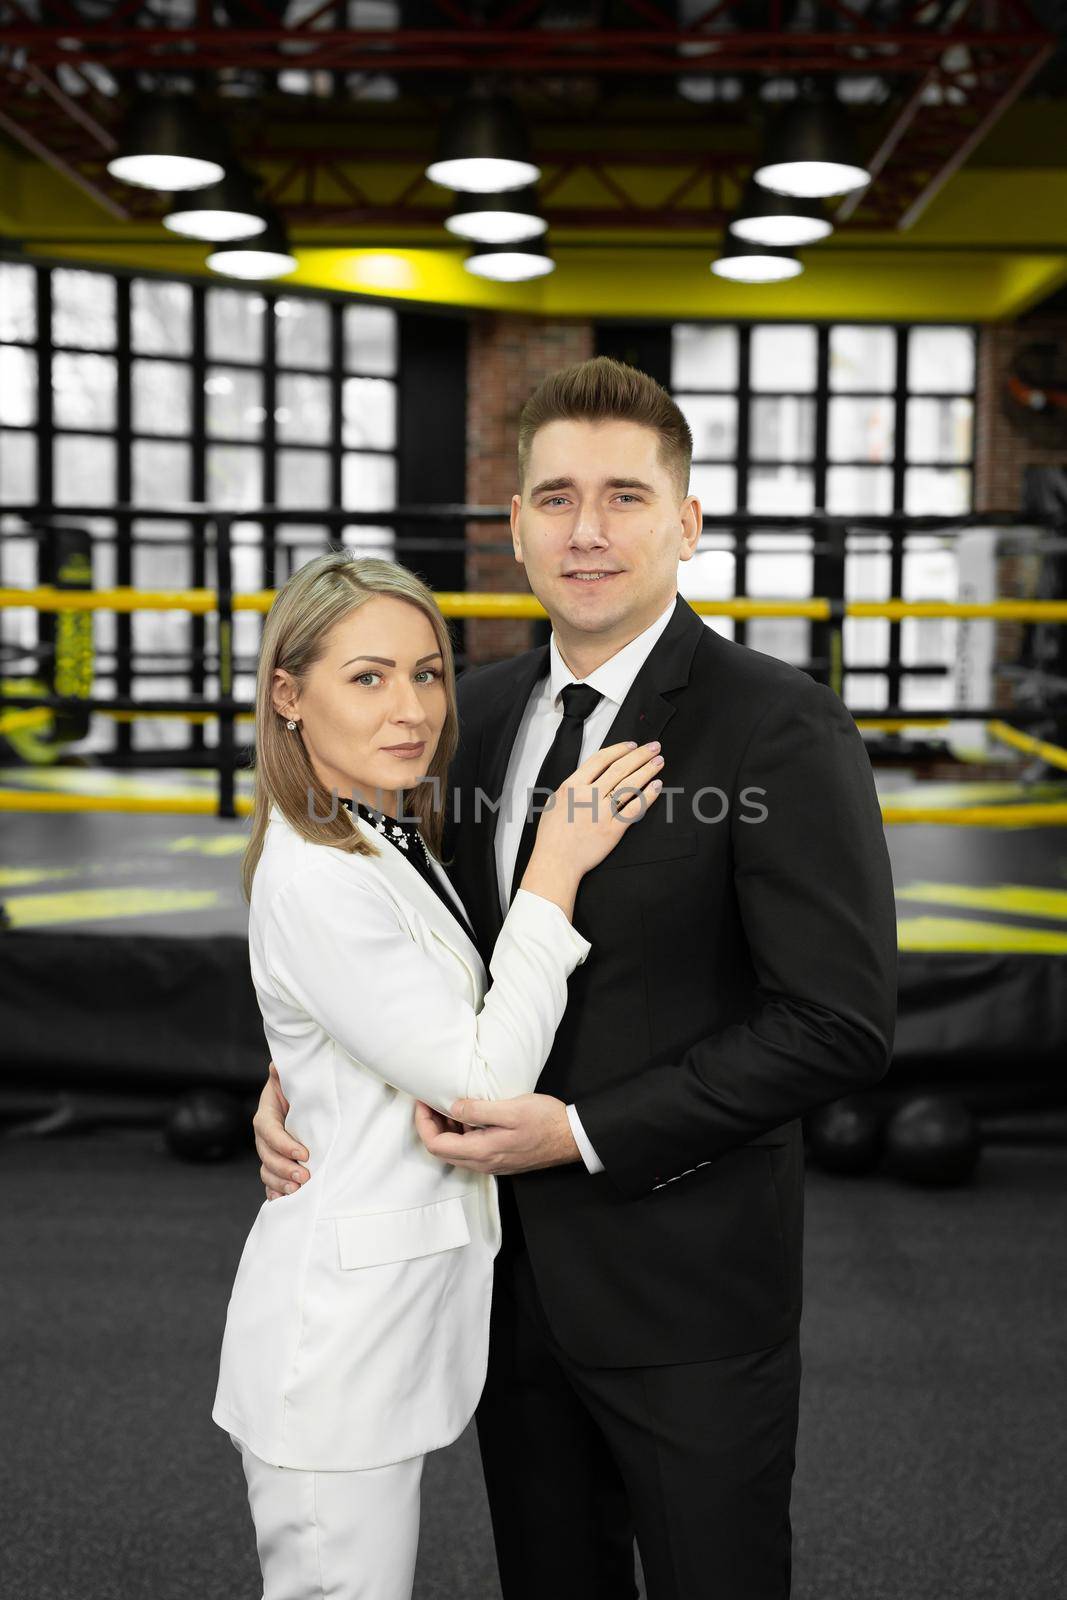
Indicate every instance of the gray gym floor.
{"type": "Point", "coordinates": [933, 1442]}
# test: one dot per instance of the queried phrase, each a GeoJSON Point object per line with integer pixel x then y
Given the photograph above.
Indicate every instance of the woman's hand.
{"type": "Point", "coordinates": [591, 810]}
{"type": "Point", "coordinates": [280, 1152]}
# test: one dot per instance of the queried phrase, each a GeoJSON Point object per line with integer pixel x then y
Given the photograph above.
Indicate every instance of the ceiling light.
{"type": "Point", "coordinates": [754, 263]}
{"type": "Point", "coordinates": [505, 218]}
{"type": "Point", "coordinates": [166, 144]}
{"type": "Point", "coordinates": [810, 152]}
{"type": "Point", "coordinates": [224, 210]}
{"type": "Point", "coordinates": [763, 217]}
{"type": "Point", "coordinates": [483, 147]}
{"type": "Point", "coordinates": [510, 263]}
{"type": "Point", "coordinates": [266, 256]}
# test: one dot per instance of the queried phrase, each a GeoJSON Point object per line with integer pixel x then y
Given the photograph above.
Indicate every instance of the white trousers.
{"type": "Point", "coordinates": [335, 1535]}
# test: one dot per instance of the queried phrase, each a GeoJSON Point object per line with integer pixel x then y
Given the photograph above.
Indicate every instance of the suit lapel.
{"type": "Point", "coordinates": [643, 715]}
{"type": "Point", "coordinates": [499, 731]}
{"type": "Point", "coordinates": [411, 885]}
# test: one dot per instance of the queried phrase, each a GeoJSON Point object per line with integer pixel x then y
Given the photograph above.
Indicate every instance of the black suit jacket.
{"type": "Point", "coordinates": [742, 971]}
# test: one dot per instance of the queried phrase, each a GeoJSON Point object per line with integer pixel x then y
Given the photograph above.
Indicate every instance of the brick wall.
{"type": "Point", "coordinates": [1009, 439]}
{"type": "Point", "coordinates": [507, 358]}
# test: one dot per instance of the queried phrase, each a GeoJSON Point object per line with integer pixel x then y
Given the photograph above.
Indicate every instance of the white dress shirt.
{"type": "Point", "coordinates": [543, 715]}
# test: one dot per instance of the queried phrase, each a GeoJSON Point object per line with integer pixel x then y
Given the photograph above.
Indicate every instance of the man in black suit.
{"type": "Point", "coordinates": [644, 1356]}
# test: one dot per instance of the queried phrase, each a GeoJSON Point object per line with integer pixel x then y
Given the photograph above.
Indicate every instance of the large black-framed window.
{"type": "Point", "coordinates": [139, 389]}
{"type": "Point", "coordinates": [850, 418]}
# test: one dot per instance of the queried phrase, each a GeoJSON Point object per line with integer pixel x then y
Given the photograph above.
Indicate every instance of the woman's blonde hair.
{"type": "Point", "coordinates": [294, 638]}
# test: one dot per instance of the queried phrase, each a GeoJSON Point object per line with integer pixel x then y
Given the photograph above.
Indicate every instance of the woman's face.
{"type": "Point", "coordinates": [379, 686]}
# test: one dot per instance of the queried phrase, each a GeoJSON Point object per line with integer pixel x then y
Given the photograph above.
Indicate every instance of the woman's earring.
{"type": "Point", "coordinates": [290, 724]}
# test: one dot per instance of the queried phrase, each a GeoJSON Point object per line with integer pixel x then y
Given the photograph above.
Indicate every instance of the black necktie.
{"type": "Point", "coordinates": [559, 763]}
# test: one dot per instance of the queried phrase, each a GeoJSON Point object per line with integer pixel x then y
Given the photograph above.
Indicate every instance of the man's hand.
{"type": "Point", "coordinates": [278, 1150]}
{"type": "Point", "coordinates": [502, 1136]}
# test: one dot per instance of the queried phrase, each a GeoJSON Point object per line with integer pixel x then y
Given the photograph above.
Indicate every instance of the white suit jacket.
{"type": "Point", "coordinates": [357, 1329]}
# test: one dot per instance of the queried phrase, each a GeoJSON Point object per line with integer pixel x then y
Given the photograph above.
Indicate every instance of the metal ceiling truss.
{"type": "Point", "coordinates": [947, 73]}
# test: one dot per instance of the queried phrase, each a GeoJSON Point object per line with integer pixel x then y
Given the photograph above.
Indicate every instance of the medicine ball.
{"type": "Point", "coordinates": [206, 1125]}
{"type": "Point", "coordinates": [846, 1135]}
{"type": "Point", "coordinates": [933, 1139]}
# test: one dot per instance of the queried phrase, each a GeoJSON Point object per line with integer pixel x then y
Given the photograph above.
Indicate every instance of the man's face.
{"type": "Point", "coordinates": [598, 500]}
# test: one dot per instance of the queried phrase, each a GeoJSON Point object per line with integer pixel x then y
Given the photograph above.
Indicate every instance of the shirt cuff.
{"type": "Point", "coordinates": [589, 1156]}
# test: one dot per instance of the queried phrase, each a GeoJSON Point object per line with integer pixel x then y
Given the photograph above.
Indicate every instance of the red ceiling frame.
{"type": "Point", "coordinates": [960, 79]}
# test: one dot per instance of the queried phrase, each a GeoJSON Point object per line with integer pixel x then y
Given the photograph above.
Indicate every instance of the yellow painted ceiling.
{"type": "Point", "coordinates": [990, 245]}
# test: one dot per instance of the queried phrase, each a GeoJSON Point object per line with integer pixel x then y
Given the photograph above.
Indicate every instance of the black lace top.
{"type": "Point", "coordinates": [406, 838]}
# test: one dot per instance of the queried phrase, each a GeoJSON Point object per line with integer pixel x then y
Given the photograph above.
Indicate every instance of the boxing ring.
{"type": "Point", "coordinates": [123, 928]}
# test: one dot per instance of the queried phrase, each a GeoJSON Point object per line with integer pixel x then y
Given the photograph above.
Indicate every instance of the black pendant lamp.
{"type": "Point", "coordinates": [507, 218]}
{"type": "Point", "coordinates": [267, 255]}
{"type": "Point", "coordinates": [166, 143]}
{"type": "Point", "coordinates": [783, 221]}
{"type": "Point", "coordinates": [483, 147]}
{"type": "Point", "coordinates": [755, 263]}
{"type": "Point", "coordinates": [811, 152]}
{"type": "Point", "coordinates": [225, 210]}
{"type": "Point", "coordinates": [510, 263]}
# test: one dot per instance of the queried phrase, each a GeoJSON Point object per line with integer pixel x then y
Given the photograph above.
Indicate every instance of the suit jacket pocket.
{"type": "Point", "coordinates": [372, 1238]}
{"type": "Point", "coordinates": [657, 844]}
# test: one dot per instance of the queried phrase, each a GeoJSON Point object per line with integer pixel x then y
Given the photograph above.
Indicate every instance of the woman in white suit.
{"type": "Point", "coordinates": [374, 996]}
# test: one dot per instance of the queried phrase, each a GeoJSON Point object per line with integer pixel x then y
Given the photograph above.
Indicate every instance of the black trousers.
{"type": "Point", "coordinates": [695, 1460]}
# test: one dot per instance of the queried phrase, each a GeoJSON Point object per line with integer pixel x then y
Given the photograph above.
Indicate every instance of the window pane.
{"type": "Point", "coordinates": [234, 476]}
{"type": "Point", "coordinates": [303, 478]}
{"type": "Point", "coordinates": [714, 487]}
{"type": "Point", "coordinates": [868, 570]}
{"type": "Point", "coordinates": [83, 309]}
{"type": "Point", "coordinates": [83, 390]}
{"type": "Point", "coordinates": [779, 567]}
{"type": "Point", "coordinates": [863, 358]}
{"type": "Point", "coordinates": [234, 403]}
{"type": "Point", "coordinates": [850, 489]}
{"type": "Point", "coordinates": [923, 694]}
{"type": "Point", "coordinates": [18, 301]}
{"type": "Point", "coordinates": [303, 411]}
{"type": "Point", "coordinates": [940, 430]}
{"type": "Point", "coordinates": [940, 360]}
{"type": "Point", "coordinates": [927, 641]}
{"type": "Point", "coordinates": [368, 483]}
{"type": "Point", "coordinates": [162, 397]}
{"type": "Point", "coordinates": [84, 470]}
{"type": "Point", "coordinates": [302, 332]}
{"type": "Point", "coordinates": [866, 641]}
{"type": "Point", "coordinates": [712, 421]}
{"type": "Point", "coordinates": [235, 320]}
{"type": "Point", "coordinates": [783, 357]}
{"type": "Point", "coordinates": [369, 413]}
{"type": "Point", "coordinates": [929, 571]}
{"type": "Point", "coordinates": [708, 575]}
{"type": "Point", "coordinates": [370, 339]}
{"type": "Point", "coordinates": [787, 489]}
{"type": "Point", "coordinates": [782, 430]}
{"type": "Point", "coordinates": [786, 638]}
{"type": "Point", "coordinates": [18, 468]}
{"type": "Point", "coordinates": [161, 473]}
{"type": "Point", "coordinates": [867, 692]}
{"type": "Point", "coordinates": [860, 430]}
{"type": "Point", "coordinates": [933, 491]}
{"type": "Point", "coordinates": [18, 386]}
{"type": "Point", "coordinates": [161, 317]}
{"type": "Point", "coordinates": [703, 356]}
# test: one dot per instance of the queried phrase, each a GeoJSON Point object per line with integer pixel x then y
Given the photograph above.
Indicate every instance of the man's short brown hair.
{"type": "Point", "coordinates": [603, 390]}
